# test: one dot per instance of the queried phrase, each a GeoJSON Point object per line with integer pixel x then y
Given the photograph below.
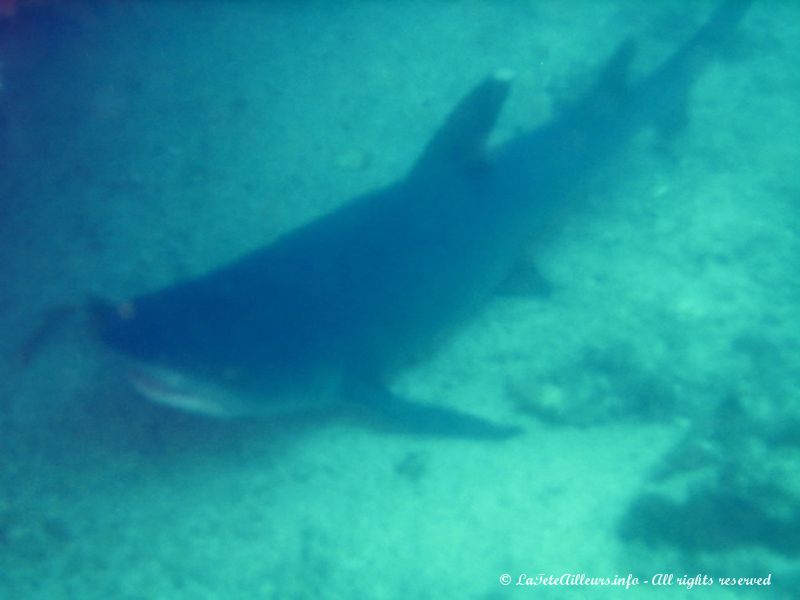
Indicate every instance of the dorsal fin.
{"type": "Point", "coordinates": [462, 137]}
{"type": "Point", "coordinates": [615, 76]}
{"type": "Point", "coordinates": [610, 93]}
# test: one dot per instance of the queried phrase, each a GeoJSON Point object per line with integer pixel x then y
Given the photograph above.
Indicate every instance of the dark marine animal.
{"type": "Point", "coordinates": [331, 311]}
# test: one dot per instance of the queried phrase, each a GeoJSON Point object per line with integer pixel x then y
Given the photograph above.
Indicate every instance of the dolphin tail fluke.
{"type": "Point", "coordinates": [678, 73]}
{"type": "Point", "coordinates": [720, 26]}
{"type": "Point", "coordinates": [403, 416]}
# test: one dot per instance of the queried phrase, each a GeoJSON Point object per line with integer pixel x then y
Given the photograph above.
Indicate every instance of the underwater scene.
{"type": "Point", "coordinates": [471, 299]}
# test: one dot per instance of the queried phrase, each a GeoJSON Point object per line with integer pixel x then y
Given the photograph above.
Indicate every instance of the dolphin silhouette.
{"type": "Point", "coordinates": [330, 312]}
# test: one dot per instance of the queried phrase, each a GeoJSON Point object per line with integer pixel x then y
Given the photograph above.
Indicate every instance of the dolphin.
{"type": "Point", "coordinates": [329, 313]}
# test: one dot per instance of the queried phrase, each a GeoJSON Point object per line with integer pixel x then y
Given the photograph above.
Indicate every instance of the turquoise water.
{"type": "Point", "coordinates": [143, 143]}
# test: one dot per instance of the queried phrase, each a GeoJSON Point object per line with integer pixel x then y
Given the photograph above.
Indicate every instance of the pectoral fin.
{"type": "Point", "coordinates": [414, 418]}
{"type": "Point", "coordinates": [524, 281]}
